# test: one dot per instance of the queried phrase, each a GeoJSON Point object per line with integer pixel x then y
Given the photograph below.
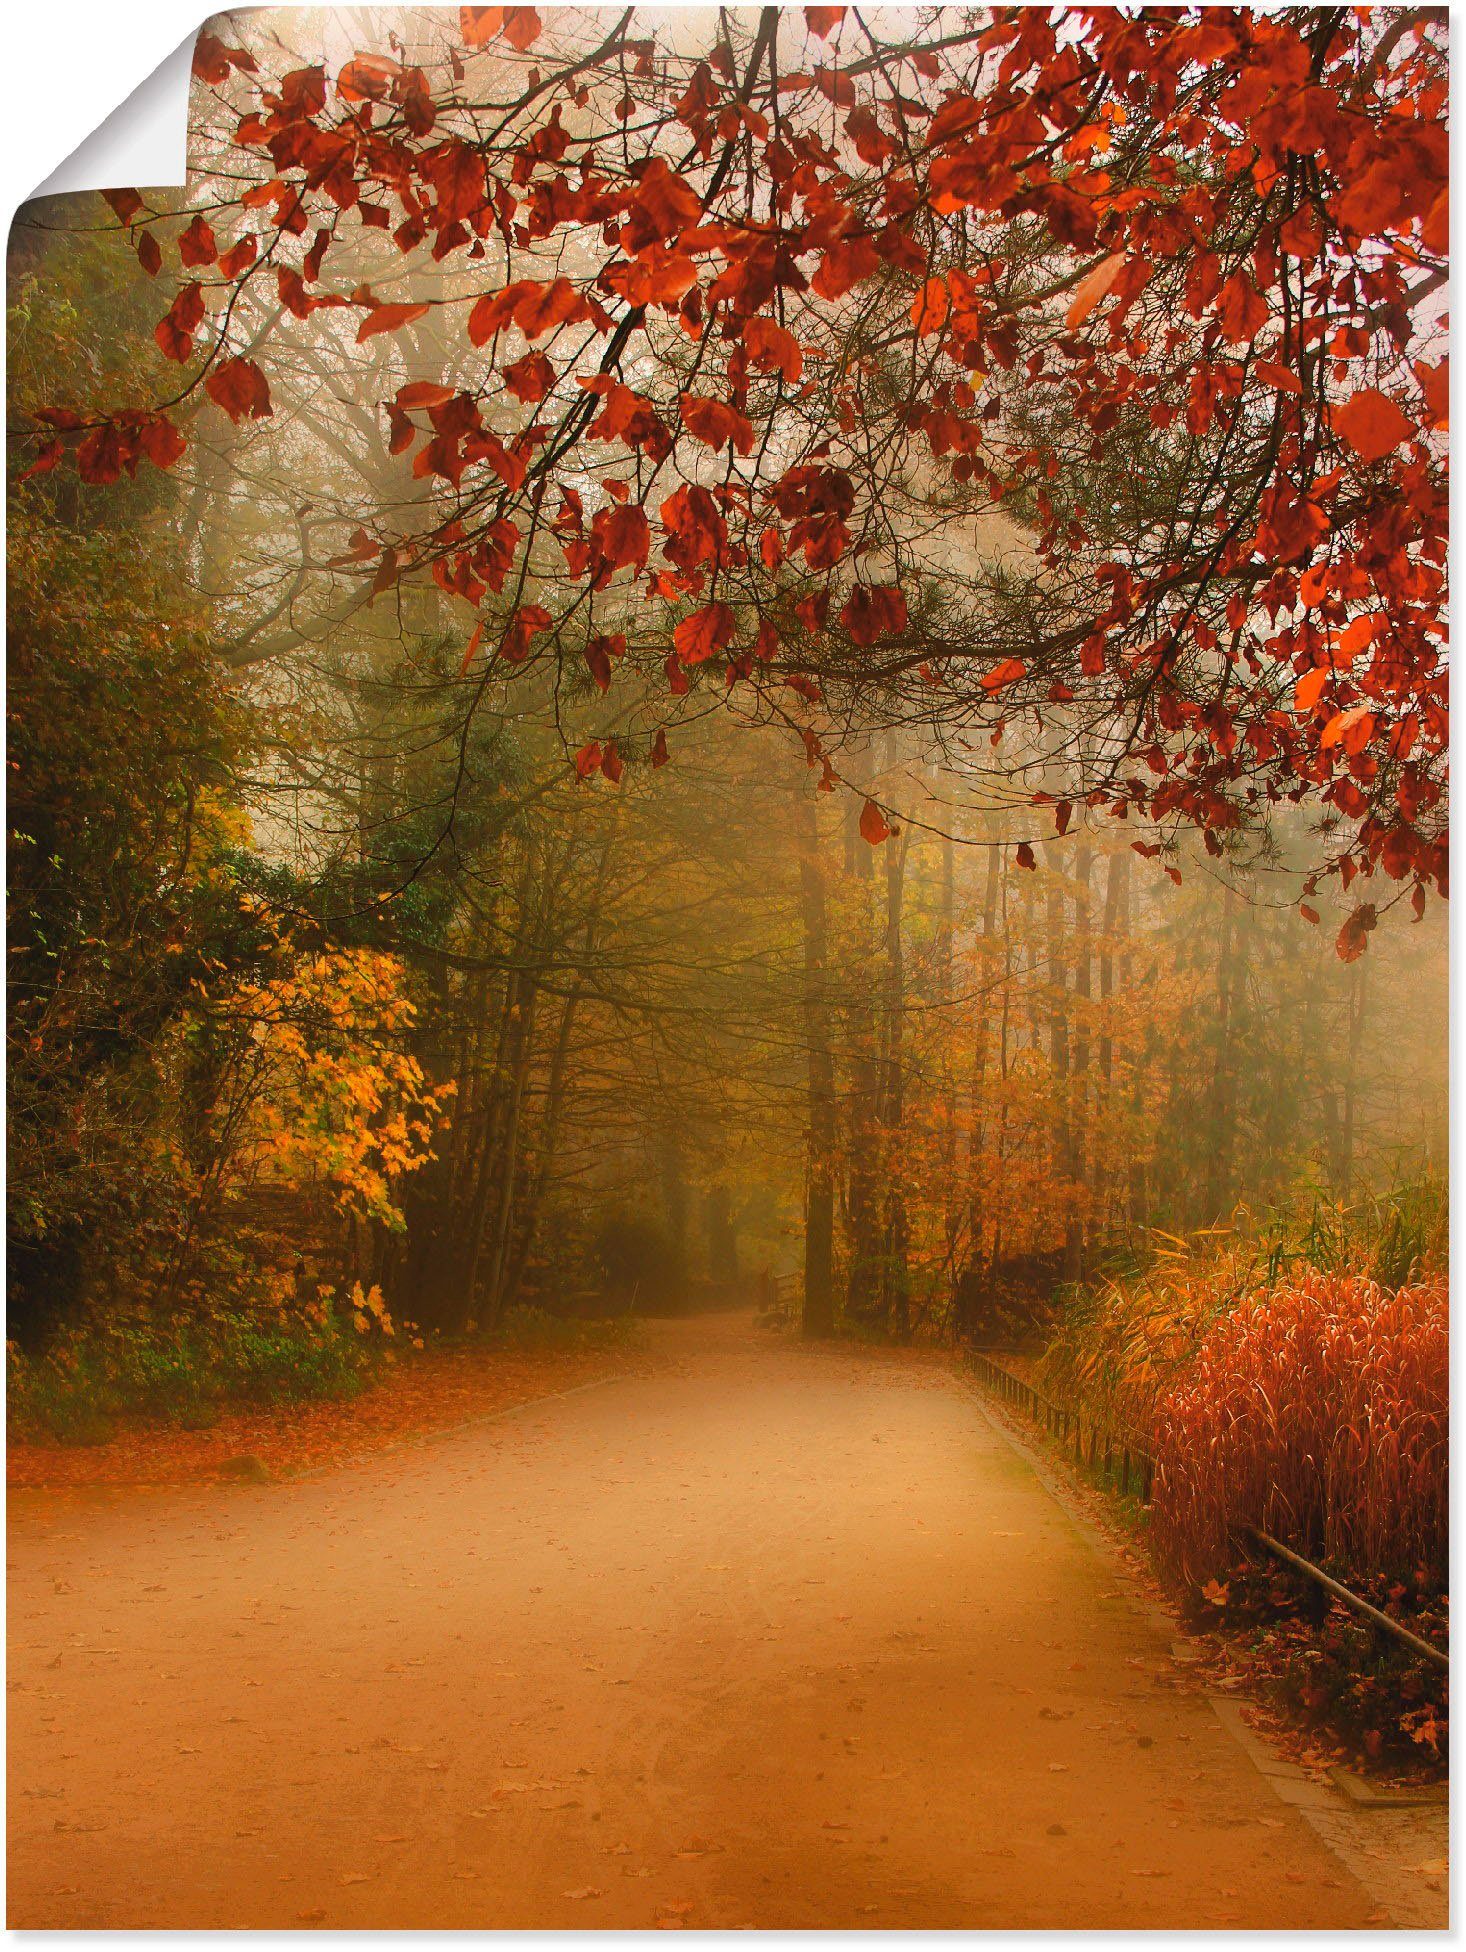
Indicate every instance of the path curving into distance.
{"type": "Point", "coordinates": [778, 1636]}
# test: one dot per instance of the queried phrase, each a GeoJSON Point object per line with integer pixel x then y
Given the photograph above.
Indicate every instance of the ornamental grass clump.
{"type": "Point", "coordinates": [1318, 1412]}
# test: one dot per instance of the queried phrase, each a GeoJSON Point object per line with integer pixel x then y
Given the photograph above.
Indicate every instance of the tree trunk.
{"type": "Point", "coordinates": [819, 1170]}
{"type": "Point", "coordinates": [896, 1296]}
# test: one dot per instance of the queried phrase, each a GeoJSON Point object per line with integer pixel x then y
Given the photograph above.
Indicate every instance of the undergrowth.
{"type": "Point", "coordinates": [1290, 1372]}
{"type": "Point", "coordinates": [181, 1374]}
{"type": "Point", "coordinates": [534, 1329]}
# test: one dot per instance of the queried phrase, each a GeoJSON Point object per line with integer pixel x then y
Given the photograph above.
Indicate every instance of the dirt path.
{"type": "Point", "coordinates": [775, 1637]}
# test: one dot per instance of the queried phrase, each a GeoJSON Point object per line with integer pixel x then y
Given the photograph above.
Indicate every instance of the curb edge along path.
{"type": "Point", "coordinates": [1385, 1847]}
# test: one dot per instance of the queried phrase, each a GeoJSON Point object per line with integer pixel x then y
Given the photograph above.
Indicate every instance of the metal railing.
{"type": "Point", "coordinates": [782, 1295]}
{"type": "Point", "coordinates": [1125, 1449]}
{"type": "Point", "coordinates": [1113, 1452]}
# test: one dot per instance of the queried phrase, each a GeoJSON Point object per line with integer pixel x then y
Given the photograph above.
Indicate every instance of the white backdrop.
{"type": "Point", "coordinates": [71, 67]}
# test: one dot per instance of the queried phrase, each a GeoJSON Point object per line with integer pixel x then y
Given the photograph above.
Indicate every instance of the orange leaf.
{"type": "Point", "coordinates": [1092, 288]}
{"type": "Point", "coordinates": [479, 25]}
{"type": "Point", "coordinates": [773, 349]}
{"type": "Point", "coordinates": [1007, 673]}
{"type": "Point", "coordinates": [874, 826]}
{"type": "Point", "coordinates": [1352, 727]}
{"type": "Point", "coordinates": [522, 27]}
{"type": "Point", "coordinates": [1372, 424]}
{"type": "Point", "coordinates": [1309, 688]}
{"type": "Point", "coordinates": [387, 318]}
{"type": "Point", "coordinates": [473, 644]}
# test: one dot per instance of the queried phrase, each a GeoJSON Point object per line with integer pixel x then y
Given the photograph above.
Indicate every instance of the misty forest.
{"type": "Point", "coordinates": [759, 697]}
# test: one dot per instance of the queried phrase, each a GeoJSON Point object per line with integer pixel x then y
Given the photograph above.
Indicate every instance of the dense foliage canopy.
{"type": "Point", "coordinates": [978, 369]}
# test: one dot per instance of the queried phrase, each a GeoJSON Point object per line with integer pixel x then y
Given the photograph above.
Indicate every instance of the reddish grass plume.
{"type": "Point", "coordinates": [1318, 1412]}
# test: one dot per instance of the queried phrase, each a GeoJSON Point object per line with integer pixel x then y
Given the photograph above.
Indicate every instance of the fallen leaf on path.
{"type": "Point", "coordinates": [586, 1891]}
{"type": "Point", "coordinates": [311, 1917]}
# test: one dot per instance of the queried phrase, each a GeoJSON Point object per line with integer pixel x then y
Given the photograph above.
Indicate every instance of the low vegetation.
{"type": "Point", "coordinates": [1294, 1377]}
{"type": "Point", "coordinates": [80, 1389]}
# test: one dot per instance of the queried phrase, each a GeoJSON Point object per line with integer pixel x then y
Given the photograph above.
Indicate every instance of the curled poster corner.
{"type": "Point", "coordinates": [143, 142]}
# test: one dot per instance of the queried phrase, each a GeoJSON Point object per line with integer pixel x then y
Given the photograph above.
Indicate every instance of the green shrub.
{"type": "Point", "coordinates": [182, 1375]}
{"type": "Point", "coordinates": [536, 1329]}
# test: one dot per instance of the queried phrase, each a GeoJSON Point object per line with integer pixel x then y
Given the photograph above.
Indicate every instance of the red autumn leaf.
{"type": "Point", "coordinates": [196, 245]}
{"type": "Point", "coordinates": [240, 388]}
{"type": "Point", "coordinates": [543, 307]}
{"type": "Point", "coordinates": [161, 441]}
{"type": "Point", "coordinates": [1372, 424]}
{"type": "Point", "coordinates": [874, 611]}
{"type": "Point", "coordinates": [529, 620]}
{"type": "Point", "coordinates": [174, 332]}
{"type": "Point", "coordinates": [45, 460]}
{"type": "Point", "coordinates": [456, 171]}
{"type": "Point", "coordinates": [660, 755]}
{"type": "Point", "coordinates": [522, 27]}
{"type": "Point", "coordinates": [773, 348]}
{"type": "Point", "coordinates": [823, 21]}
{"type": "Point", "coordinates": [125, 204]}
{"type": "Point", "coordinates": [149, 254]}
{"type": "Point", "coordinates": [588, 759]}
{"type": "Point", "coordinates": [1353, 937]}
{"type": "Point", "coordinates": [493, 313]}
{"type": "Point", "coordinates": [1023, 855]}
{"type": "Point", "coordinates": [424, 393]}
{"type": "Point", "coordinates": [667, 201]}
{"type": "Point", "coordinates": [704, 634]}
{"type": "Point", "coordinates": [530, 379]}
{"type": "Point", "coordinates": [1435, 384]}
{"type": "Point", "coordinates": [102, 455]}
{"type": "Point", "coordinates": [213, 61]}
{"type": "Point", "coordinates": [600, 653]}
{"type": "Point", "coordinates": [844, 266]}
{"type": "Point", "coordinates": [716, 423]}
{"type": "Point", "coordinates": [930, 306]}
{"type": "Point", "coordinates": [611, 766]}
{"type": "Point", "coordinates": [622, 537]}
{"type": "Point", "coordinates": [874, 826]}
{"type": "Point", "coordinates": [1093, 287]}
{"type": "Point", "coordinates": [239, 257]}
{"type": "Point", "coordinates": [1278, 376]}
{"type": "Point", "coordinates": [367, 78]}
